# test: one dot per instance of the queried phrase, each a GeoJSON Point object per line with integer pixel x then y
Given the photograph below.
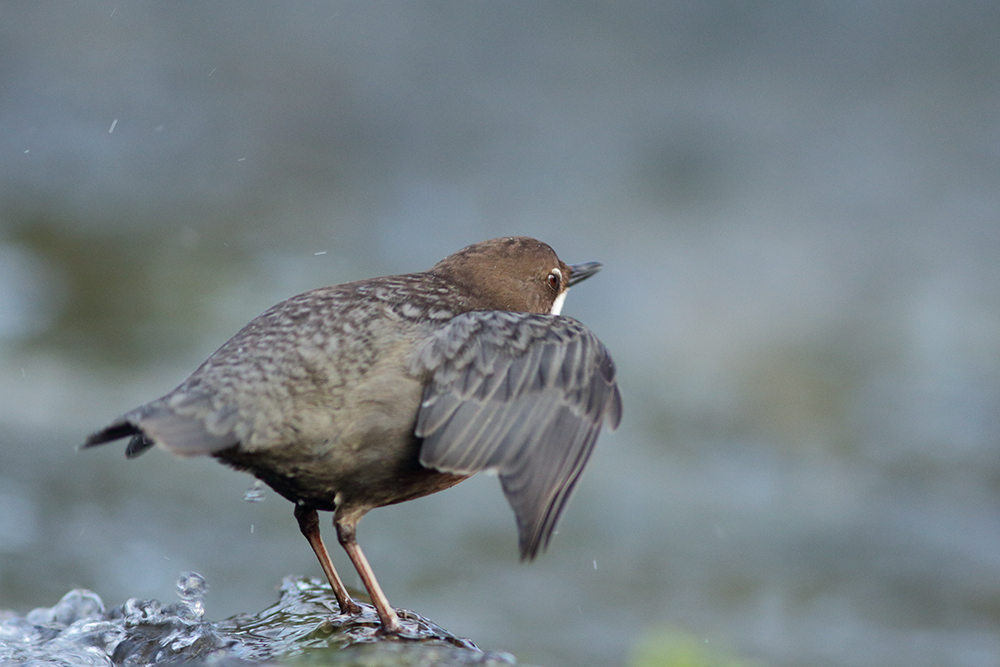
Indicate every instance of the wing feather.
{"type": "Point", "coordinates": [520, 393]}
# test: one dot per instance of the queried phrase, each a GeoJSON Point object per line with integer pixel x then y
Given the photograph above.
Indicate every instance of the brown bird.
{"type": "Point", "coordinates": [355, 396]}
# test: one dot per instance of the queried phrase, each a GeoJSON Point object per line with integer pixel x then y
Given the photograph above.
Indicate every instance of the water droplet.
{"type": "Point", "coordinates": [255, 493]}
{"type": "Point", "coordinates": [192, 588]}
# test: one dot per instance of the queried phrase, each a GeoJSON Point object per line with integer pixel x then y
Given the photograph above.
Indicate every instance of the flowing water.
{"type": "Point", "coordinates": [79, 631]}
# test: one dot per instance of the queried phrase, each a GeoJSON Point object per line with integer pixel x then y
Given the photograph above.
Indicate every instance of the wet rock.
{"type": "Point", "coordinates": [305, 627]}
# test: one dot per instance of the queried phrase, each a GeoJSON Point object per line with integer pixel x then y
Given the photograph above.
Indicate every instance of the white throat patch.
{"type": "Point", "coordinates": [558, 303]}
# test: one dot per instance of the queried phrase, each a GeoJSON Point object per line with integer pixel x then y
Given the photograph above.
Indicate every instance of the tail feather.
{"type": "Point", "coordinates": [139, 443]}
{"type": "Point", "coordinates": [122, 429]}
{"type": "Point", "coordinates": [116, 431]}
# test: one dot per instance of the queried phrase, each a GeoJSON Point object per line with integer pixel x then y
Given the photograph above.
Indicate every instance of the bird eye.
{"type": "Point", "coordinates": [555, 279]}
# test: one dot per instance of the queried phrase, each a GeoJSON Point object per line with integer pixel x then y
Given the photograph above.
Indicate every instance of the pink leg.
{"type": "Point", "coordinates": [309, 525]}
{"type": "Point", "coordinates": [346, 533]}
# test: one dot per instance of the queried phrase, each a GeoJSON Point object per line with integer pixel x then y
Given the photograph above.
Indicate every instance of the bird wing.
{"type": "Point", "coordinates": [523, 394]}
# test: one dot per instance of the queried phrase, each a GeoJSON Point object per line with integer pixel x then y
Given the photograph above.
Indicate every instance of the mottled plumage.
{"type": "Point", "coordinates": [360, 395]}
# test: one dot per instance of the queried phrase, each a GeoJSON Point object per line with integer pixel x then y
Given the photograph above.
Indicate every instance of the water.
{"type": "Point", "coordinates": [79, 632]}
{"type": "Point", "coordinates": [255, 494]}
{"type": "Point", "coordinates": [796, 206]}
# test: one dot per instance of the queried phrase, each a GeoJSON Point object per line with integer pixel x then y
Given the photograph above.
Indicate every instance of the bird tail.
{"type": "Point", "coordinates": [122, 429]}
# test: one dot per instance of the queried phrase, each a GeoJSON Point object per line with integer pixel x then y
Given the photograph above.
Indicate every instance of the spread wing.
{"type": "Point", "coordinates": [520, 393]}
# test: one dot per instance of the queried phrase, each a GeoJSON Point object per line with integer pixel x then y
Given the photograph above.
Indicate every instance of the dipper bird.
{"type": "Point", "coordinates": [356, 396]}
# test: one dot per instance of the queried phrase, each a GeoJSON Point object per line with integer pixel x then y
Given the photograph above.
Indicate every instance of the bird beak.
{"type": "Point", "coordinates": [581, 272]}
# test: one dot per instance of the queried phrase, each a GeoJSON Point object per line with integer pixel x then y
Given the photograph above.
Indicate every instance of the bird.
{"type": "Point", "coordinates": [352, 397]}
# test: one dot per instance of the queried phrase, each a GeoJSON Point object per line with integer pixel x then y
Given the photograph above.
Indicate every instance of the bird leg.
{"type": "Point", "coordinates": [346, 533]}
{"type": "Point", "coordinates": [309, 525]}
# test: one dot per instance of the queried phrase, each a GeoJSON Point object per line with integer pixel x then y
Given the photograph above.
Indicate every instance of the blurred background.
{"type": "Point", "coordinates": [797, 205]}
